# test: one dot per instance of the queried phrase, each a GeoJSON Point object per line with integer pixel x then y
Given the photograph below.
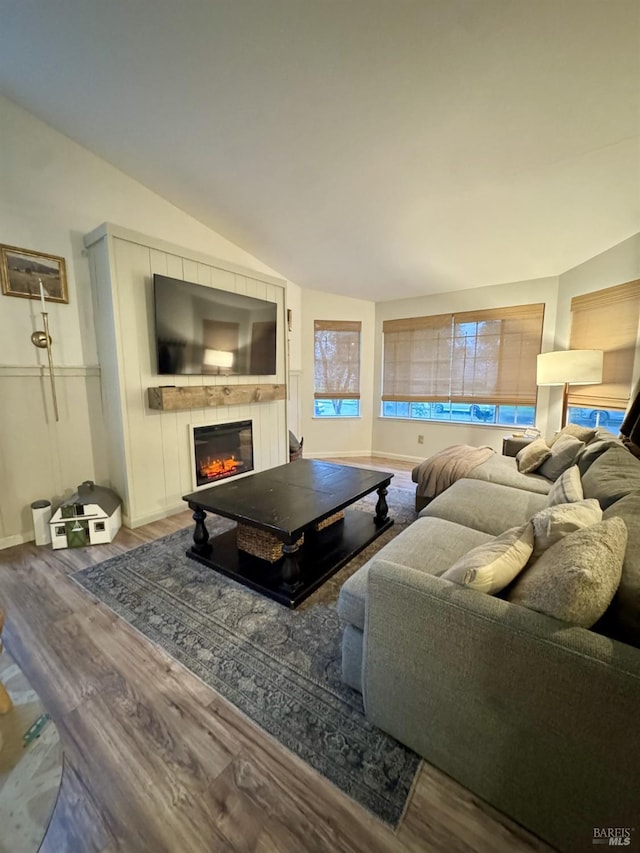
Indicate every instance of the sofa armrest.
{"type": "Point", "coordinates": [537, 717]}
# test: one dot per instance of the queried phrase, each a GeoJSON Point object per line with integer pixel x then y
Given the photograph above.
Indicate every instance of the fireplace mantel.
{"type": "Point", "coordinates": [173, 398]}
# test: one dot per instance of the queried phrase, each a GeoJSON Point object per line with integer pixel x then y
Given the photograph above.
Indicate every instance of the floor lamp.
{"type": "Point", "coordinates": [569, 367]}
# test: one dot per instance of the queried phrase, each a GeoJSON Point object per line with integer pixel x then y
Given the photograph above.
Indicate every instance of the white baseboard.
{"type": "Point", "coordinates": [16, 539]}
{"type": "Point", "coordinates": [348, 453]}
{"type": "Point", "coordinates": [399, 456]}
{"type": "Point", "coordinates": [139, 520]}
{"type": "Point", "coordinates": [327, 454]}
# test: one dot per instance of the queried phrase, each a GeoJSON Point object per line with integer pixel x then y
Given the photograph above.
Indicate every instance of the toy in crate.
{"type": "Point", "coordinates": [90, 517]}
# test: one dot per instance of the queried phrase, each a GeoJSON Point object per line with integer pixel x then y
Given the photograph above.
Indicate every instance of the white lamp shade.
{"type": "Point", "coordinates": [574, 366]}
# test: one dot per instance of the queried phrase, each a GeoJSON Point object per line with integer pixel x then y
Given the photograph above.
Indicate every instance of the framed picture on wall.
{"type": "Point", "coordinates": [22, 271]}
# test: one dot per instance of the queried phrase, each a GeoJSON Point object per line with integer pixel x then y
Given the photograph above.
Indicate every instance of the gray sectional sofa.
{"type": "Point", "coordinates": [539, 717]}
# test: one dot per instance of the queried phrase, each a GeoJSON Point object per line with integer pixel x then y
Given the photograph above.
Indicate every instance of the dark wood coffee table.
{"type": "Point", "coordinates": [287, 502]}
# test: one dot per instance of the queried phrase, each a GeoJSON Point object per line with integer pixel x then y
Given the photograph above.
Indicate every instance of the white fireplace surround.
{"type": "Point", "coordinates": [149, 456]}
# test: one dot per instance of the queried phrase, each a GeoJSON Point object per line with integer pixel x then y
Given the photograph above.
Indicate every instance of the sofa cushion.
{"type": "Point", "coordinates": [532, 456]}
{"type": "Point", "coordinates": [624, 613]}
{"type": "Point", "coordinates": [611, 476]}
{"type": "Point", "coordinates": [504, 470]}
{"type": "Point", "coordinates": [594, 450]}
{"type": "Point", "coordinates": [564, 453]}
{"type": "Point", "coordinates": [575, 579]}
{"type": "Point", "coordinates": [584, 434]}
{"type": "Point", "coordinates": [489, 507]}
{"type": "Point", "coordinates": [567, 488]}
{"type": "Point", "coordinates": [492, 566]}
{"type": "Point", "coordinates": [430, 545]}
{"type": "Point", "coordinates": [555, 522]}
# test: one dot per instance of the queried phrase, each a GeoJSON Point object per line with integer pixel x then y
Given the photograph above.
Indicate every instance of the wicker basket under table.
{"type": "Point", "coordinates": [260, 543]}
{"type": "Point", "coordinates": [329, 520]}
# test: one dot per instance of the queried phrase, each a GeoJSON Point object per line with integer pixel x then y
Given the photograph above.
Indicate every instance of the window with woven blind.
{"type": "Point", "coordinates": [337, 359]}
{"type": "Point", "coordinates": [417, 358]}
{"type": "Point", "coordinates": [607, 320]}
{"type": "Point", "coordinates": [494, 355]}
{"type": "Point", "coordinates": [472, 357]}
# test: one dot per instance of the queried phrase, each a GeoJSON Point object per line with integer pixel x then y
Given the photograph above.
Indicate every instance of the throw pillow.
{"type": "Point", "coordinates": [564, 453]}
{"type": "Point", "coordinates": [594, 450]}
{"type": "Point", "coordinates": [555, 522]}
{"type": "Point", "coordinates": [582, 433]}
{"type": "Point", "coordinates": [567, 488]}
{"type": "Point", "coordinates": [576, 579]}
{"type": "Point", "coordinates": [613, 475]}
{"type": "Point", "coordinates": [532, 456]}
{"type": "Point", "coordinates": [490, 567]}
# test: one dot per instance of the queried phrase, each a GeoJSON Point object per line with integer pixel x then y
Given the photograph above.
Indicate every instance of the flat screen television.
{"type": "Point", "coordinates": [206, 331]}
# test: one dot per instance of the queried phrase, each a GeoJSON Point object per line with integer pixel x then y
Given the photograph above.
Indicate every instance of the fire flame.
{"type": "Point", "coordinates": [214, 469]}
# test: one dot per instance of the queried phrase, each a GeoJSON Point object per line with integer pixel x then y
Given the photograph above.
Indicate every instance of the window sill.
{"type": "Point", "coordinates": [433, 422]}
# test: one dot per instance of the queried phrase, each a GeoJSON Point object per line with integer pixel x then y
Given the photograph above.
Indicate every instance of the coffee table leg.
{"type": "Point", "coordinates": [290, 568]}
{"type": "Point", "coordinates": [200, 534]}
{"type": "Point", "coordinates": [382, 510]}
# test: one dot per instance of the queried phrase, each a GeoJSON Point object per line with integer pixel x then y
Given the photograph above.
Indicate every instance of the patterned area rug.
{"type": "Point", "coordinates": [280, 667]}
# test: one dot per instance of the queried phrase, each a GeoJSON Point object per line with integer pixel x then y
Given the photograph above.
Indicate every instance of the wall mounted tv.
{"type": "Point", "coordinates": [205, 331]}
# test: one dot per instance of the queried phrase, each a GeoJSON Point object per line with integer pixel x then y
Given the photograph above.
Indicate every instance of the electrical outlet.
{"type": "Point", "coordinates": [420, 439]}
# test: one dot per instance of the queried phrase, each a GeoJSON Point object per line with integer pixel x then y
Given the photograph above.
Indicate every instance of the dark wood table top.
{"type": "Point", "coordinates": [290, 497]}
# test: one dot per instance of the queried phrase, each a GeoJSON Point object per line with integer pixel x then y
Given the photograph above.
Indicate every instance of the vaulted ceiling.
{"type": "Point", "coordinates": [377, 148]}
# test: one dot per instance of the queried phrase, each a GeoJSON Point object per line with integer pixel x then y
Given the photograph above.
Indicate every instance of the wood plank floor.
{"type": "Point", "coordinates": [157, 761]}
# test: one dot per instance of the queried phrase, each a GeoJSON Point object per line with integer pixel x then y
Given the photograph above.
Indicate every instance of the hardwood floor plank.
{"type": "Point", "coordinates": [151, 785]}
{"type": "Point", "coordinates": [445, 811]}
{"type": "Point", "coordinates": [155, 760]}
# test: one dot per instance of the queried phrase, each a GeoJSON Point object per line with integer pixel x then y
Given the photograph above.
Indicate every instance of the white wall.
{"type": "Point", "coordinates": [393, 437]}
{"type": "Point", "coordinates": [330, 436]}
{"type": "Point", "coordinates": [53, 192]}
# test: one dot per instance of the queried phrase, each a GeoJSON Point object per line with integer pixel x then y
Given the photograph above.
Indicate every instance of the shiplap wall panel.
{"type": "Point", "coordinates": [177, 448]}
{"type": "Point", "coordinates": [157, 444]}
{"type": "Point", "coordinates": [52, 468]}
{"type": "Point", "coordinates": [172, 431]}
{"type": "Point", "coordinates": [144, 433]}
{"type": "Point", "coordinates": [108, 338]}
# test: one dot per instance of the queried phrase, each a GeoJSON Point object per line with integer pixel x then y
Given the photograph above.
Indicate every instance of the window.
{"type": "Point", "coordinates": [606, 320]}
{"type": "Point", "coordinates": [474, 366]}
{"type": "Point", "coordinates": [336, 368]}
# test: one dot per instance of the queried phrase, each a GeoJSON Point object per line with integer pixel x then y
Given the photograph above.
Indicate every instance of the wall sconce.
{"type": "Point", "coordinates": [42, 340]}
{"type": "Point", "coordinates": [569, 367]}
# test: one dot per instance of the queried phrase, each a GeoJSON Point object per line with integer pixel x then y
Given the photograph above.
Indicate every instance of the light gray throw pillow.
{"type": "Point", "coordinates": [493, 565]}
{"type": "Point", "coordinates": [567, 488]}
{"type": "Point", "coordinates": [575, 580]}
{"type": "Point", "coordinates": [554, 522]}
{"type": "Point", "coordinates": [583, 433]}
{"type": "Point", "coordinates": [564, 453]}
{"type": "Point", "coordinates": [532, 456]}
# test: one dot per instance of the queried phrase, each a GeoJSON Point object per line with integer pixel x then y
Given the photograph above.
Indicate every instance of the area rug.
{"type": "Point", "coordinates": [280, 667]}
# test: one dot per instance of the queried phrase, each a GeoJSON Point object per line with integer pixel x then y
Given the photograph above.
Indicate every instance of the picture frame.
{"type": "Point", "coordinates": [22, 270]}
